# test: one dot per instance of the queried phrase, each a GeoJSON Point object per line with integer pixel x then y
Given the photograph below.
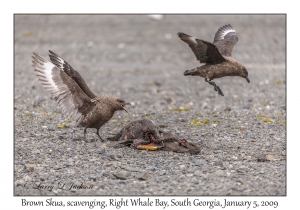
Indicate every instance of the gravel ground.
{"type": "Point", "coordinates": [243, 142]}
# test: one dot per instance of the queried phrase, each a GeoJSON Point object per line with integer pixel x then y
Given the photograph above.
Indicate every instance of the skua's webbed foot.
{"type": "Point", "coordinates": [216, 88]}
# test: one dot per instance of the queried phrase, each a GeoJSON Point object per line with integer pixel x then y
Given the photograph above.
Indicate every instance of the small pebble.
{"type": "Point", "coordinates": [261, 158]}
{"type": "Point", "coordinates": [27, 178]}
{"type": "Point", "coordinates": [200, 162]}
{"type": "Point", "coordinates": [161, 173]}
{"type": "Point", "coordinates": [218, 151]}
{"type": "Point", "coordinates": [269, 157]}
{"type": "Point", "coordinates": [197, 173]}
{"type": "Point", "coordinates": [132, 169]}
{"type": "Point", "coordinates": [144, 176]}
{"type": "Point", "coordinates": [182, 167]}
{"type": "Point", "coordinates": [30, 167]}
{"type": "Point", "coordinates": [227, 109]}
{"type": "Point", "coordinates": [247, 106]}
{"type": "Point", "coordinates": [242, 169]}
{"type": "Point", "coordinates": [100, 150]}
{"type": "Point", "coordinates": [112, 156]}
{"type": "Point", "coordinates": [121, 175]}
{"type": "Point", "coordinates": [92, 177]}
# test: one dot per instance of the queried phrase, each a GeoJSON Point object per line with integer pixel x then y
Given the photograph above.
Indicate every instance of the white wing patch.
{"type": "Point", "coordinates": [49, 76]}
{"type": "Point", "coordinates": [43, 69]}
{"type": "Point", "coordinates": [226, 31]}
{"type": "Point", "coordinates": [222, 32]}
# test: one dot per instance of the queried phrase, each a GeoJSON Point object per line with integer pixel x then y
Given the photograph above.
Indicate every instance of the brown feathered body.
{"type": "Point", "coordinates": [72, 94]}
{"type": "Point", "coordinates": [101, 113]}
{"type": "Point", "coordinates": [213, 71]}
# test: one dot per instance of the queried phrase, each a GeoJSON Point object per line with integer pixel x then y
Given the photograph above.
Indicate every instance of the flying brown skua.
{"type": "Point", "coordinates": [216, 56]}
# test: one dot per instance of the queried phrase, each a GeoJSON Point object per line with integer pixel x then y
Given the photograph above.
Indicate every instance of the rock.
{"type": "Point", "coordinates": [263, 158]}
{"type": "Point", "coordinates": [247, 106]}
{"type": "Point", "coordinates": [38, 101]}
{"type": "Point", "coordinates": [37, 151]}
{"type": "Point", "coordinates": [205, 105]}
{"type": "Point", "coordinates": [218, 151]}
{"type": "Point", "coordinates": [132, 169]}
{"type": "Point", "coordinates": [283, 153]}
{"type": "Point", "coordinates": [27, 178]}
{"type": "Point", "coordinates": [92, 177]}
{"type": "Point", "coordinates": [227, 109]}
{"type": "Point", "coordinates": [269, 157]}
{"type": "Point", "coordinates": [90, 44]}
{"type": "Point", "coordinates": [228, 125]}
{"type": "Point", "coordinates": [182, 167]}
{"type": "Point", "coordinates": [94, 159]}
{"type": "Point", "coordinates": [248, 158]}
{"type": "Point", "coordinates": [190, 171]}
{"type": "Point", "coordinates": [176, 157]}
{"type": "Point", "coordinates": [100, 150]}
{"type": "Point", "coordinates": [181, 119]}
{"type": "Point", "coordinates": [112, 156]}
{"type": "Point", "coordinates": [234, 157]}
{"type": "Point", "coordinates": [199, 162]}
{"type": "Point", "coordinates": [57, 167]}
{"type": "Point", "coordinates": [242, 169]}
{"type": "Point", "coordinates": [158, 82]}
{"type": "Point", "coordinates": [218, 163]}
{"type": "Point", "coordinates": [30, 167]}
{"type": "Point", "coordinates": [197, 173]}
{"type": "Point", "coordinates": [20, 183]}
{"type": "Point", "coordinates": [204, 134]}
{"type": "Point", "coordinates": [170, 100]}
{"type": "Point", "coordinates": [161, 173]}
{"type": "Point", "coordinates": [121, 175]}
{"type": "Point", "coordinates": [143, 176]}
{"type": "Point", "coordinates": [70, 163]}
